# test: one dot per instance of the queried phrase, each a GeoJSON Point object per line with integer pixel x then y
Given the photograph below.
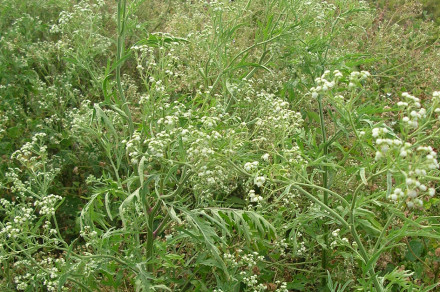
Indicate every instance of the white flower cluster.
{"type": "Point", "coordinates": [230, 259]}
{"type": "Point", "coordinates": [251, 282]}
{"type": "Point", "coordinates": [251, 259]}
{"type": "Point", "coordinates": [25, 216]}
{"type": "Point", "coordinates": [337, 240]}
{"type": "Point", "coordinates": [47, 204]}
{"type": "Point", "coordinates": [414, 163]}
{"type": "Point", "coordinates": [246, 262]}
{"type": "Point", "coordinates": [168, 121]}
{"type": "Point", "coordinates": [290, 200]}
{"type": "Point", "coordinates": [19, 218]}
{"type": "Point", "coordinates": [51, 281]}
{"type": "Point", "coordinates": [413, 186]}
{"type": "Point", "coordinates": [5, 203]}
{"type": "Point", "coordinates": [21, 281]}
{"type": "Point", "coordinates": [210, 121]}
{"type": "Point", "coordinates": [28, 274]}
{"type": "Point", "coordinates": [414, 110]}
{"type": "Point", "coordinates": [335, 233]}
{"type": "Point", "coordinates": [329, 80]}
{"type": "Point", "coordinates": [157, 144]}
{"type": "Point", "coordinates": [86, 232]}
{"type": "Point", "coordinates": [301, 249]}
{"type": "Point", "coordinates": [10, 231]}
{"type": "Point", "coordinates": [418, 162]}
{"type": "Point", "coordinates": [266, 157]}
{"type": "Point", "coordinates": [30, 152]}
{"type": "Point", "coordinates": [282, 245]}
{"type": "Point", "coordinates": [323, 85]}
{"type": "Point", "coordinates": [293, 155]}
{"type": "Point", "coordinates": [275, 116]}
{"type": "Point", "coordinates": [80, 24]}
{"type": "Point", "coordinates": [246, 259]}
{"type": "Point", "coordinates": [259, 181]}
{"type": "Point", "coordinates": [357, 77]}
{"type": "Point", "coordinates": [132, 147]}
{"type": "Point", "coordinates": [282, 286]}
{"type": "Point", "coordinates": [250, 166]}
{"type": "Point", "coordinates": [17, 184]}
{"type": "Point", "coordinates": [163, 62]}
{"type": "Point", "coordinates": [254, 198]}
{"type": "Point", "coordinates": [385, 144]}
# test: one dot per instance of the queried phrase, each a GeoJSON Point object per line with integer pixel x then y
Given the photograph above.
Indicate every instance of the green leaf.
{"type": "Point", "coordinates": [14, 132]}
{"type": "Point", "coordinates": [313, 116]}
{"type": "Point", "coordinates": [107, 206]}
{"type": "Point", "coordinates": [102, 116]}
{"type": "Point", "coordinates": [389, 183]}
{"type": "Point", "coordinates": [158, 39]}
{"type": "Point", "coordinates": [363, 178]}
{"type": "Point", "coordinates": [128, 200]}
{"type": "Point", "coordinates": [208, 235]}
{"type": "Point", "coordinates": [141, 170]}
{"type": "Point", "coordinates": [173, 215]}
{"type": "Point", "coordinates": [415, 250]}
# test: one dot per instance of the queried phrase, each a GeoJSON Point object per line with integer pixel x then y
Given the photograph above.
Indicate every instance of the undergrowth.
{"type": "Point", "coordinates": [259, 145]}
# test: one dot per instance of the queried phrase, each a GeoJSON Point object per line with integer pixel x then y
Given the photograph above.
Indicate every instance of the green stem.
{"type": "Point", "coordinates": [341, 198]}
{"type": "Point", "coordinates": [228, 67]}
{"type": "Point", "coordinates": [325, 207]}
{"type": "Point", "coordinates": [122, 4]}
{"type": "Point", "coordinates": [324, 185]}
{"type": "Point", "coordinates": [384, 229]}
{"type": "Point", "coordinates": [364, 254]}
{"type": "Point", "coordinates": [79, 284]}
{"type": "Point", "coordinates": [150, 242]}
{"type": "Point", "coordinates": [357, 239]}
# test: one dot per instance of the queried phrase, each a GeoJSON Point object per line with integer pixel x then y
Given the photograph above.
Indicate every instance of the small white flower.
{"type": "Point", "coordinates": [375, 132]}
{"type": "Point", "coordinates": [265, 157]}
{"type": "Point", "coordinates": [260, 180]}
{"type": "Point", "coordinates": [412, 193]}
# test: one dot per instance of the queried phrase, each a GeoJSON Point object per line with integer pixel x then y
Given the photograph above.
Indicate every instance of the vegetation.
{"type": "Point", "coordinates": [258, 145]}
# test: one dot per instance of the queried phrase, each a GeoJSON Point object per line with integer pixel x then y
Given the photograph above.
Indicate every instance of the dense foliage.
{"type": "Point", "coordinates": [248, 145]}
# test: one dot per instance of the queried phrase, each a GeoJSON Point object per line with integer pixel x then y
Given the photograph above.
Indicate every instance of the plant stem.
{"type": "Point", "coordinates": [364, 254]}
{"type": "Point", "coordinates": [324, 185]}
{"type": "Point", "coordinates": [384, 230]}
{"type": "Point", "coordinates": [357, 239]}
{"type": "Point", "coordinates": [150, 241]}
{"type": "Point", "coordinates": [334, 214]}
{"type": "Point", "coordinates": [122, 4]}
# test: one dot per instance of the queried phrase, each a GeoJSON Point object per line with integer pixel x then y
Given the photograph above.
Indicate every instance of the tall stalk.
{"type": "Point", "coordinates": [324, 259]}
{"type": "Point", "coordinates": [122, 6]}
